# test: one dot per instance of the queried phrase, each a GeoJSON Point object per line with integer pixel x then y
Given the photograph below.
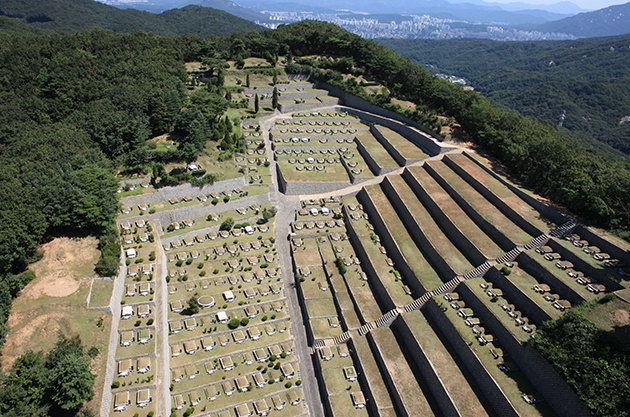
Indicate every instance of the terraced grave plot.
{"type": "Point", "coordinates": [357, 282]}
{"type": "Point", "coordinates": [327, 172]}
{"type": "Point", "coordinates": [499, 189]}
{"type": "Point", "coordinates": [377, 152]}
{"type": "Point", "coordinates": [449, 179]}
{"type": "Point", "coordinates": [418, 177]}
{"type": "Point", "coordinates": [443, 366]}
{"type": "Point", "coordinates": [374, 377]}
{"type": "Point", "coordinates": [511, 380]}
{"type": "Point", "coordinates": [561, 275]}
{"type": "Point", "coordinates": [513, 319]}
{"type": "Point", "coordinates": [407, 149]}
{"type": "Point", "coordinates": [602, 266]}
{"type": "Point", "coordinates": [378, 265]}
{"type": "Point", "coordinates": [341, 380]}
{"type": "Point", "coordinates": [403, 199]}
{"type": "Point", "coordinates": [542, 294]}
{"type": "Point", "coordinates": [407, 246]}
{"type": "Point", "coordinates": [386, 350]}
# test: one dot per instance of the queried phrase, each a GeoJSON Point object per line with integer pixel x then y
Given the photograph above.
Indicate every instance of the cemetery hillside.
{"type": "Point", "coordinates": [291, 222]}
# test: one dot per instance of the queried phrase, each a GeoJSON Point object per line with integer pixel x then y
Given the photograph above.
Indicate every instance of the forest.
{"type": "Point", "coordinates": [75, 109]}
{"type": "Point", "coordinates": [586, 80]}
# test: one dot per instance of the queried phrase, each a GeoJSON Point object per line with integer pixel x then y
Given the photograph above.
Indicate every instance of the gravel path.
{"type": "Point", "coordinates": [114, 306]}
{"type": "Point", "coordinates": [287, 205]}
{"type": "Point", "coordinates": [163, 406]}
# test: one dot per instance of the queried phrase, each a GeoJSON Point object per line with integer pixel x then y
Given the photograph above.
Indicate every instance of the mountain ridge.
{"type": "Point", "coordinates": [609, 21]}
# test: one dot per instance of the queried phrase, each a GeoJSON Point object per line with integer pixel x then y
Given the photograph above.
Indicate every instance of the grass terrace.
{"type": "Point", "coordinates": [486, 209]}
{"type": "Point", "coordinates": [331, 173]}
{"type": "Point", "coordinates": [380, 155]}
{"type": "Point", "coordinates": [513, 383]}
{"type": "Point", "coordinates": [445, 367]}
{"type": "Point", "coordinates": [407, 149]}
{"type": "Point", "coordinates": [500, 190]}
{"type": "Point", "coordinates": [385, 272]}
{"type": "Point", "coordinates": [455, 213]}
{"type": "Point", "coordinates": [397, 229]}
{"type": "Point", "coordinates": [403, 378]}
{"type": "Point", "coordinates": [442, 244]}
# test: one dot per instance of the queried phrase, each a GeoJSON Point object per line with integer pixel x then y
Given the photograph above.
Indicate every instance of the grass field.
{"type": "Point", "coordinates": [101, 293]}
{"type": "Point", "coordinates": [56, 301]}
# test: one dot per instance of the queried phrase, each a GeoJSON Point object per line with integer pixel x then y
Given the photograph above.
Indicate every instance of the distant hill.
{"type": "Point", "coordinates": [587, 80]}
{"type": "Point", "coordinates": [610, 21]}
{"type": "Point", "coordinates": [81, 15]}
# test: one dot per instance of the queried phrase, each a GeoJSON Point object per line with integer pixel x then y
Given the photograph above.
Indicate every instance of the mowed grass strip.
{"type": "Point", "coordinates": [359, 289]}
{"type": "Point", "coordinates": [407, 149]}
{"type": "Point", "coordinates": [379, 261]}
{"type": "Point", "coordinates": [500, 190]}
{"type": "Point", "coordinates": [376, 150]}
{"type": "Point", "coordinates": [486, 209]}
{"type": "Point", "coordinates": [455, 213]}
{"type": "Point", "coordinates": [415, 259]}
{"type": "Point", "coordinates": [442, 244]}
{"type": "Point", "coordinates": [451, 376]}
{"type": "Point", "coordinates": [404, 381]}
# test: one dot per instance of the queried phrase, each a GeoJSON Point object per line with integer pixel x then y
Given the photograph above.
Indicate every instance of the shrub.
{"type": "Point", "coordinates": [264, 318]}
{"type": "Point", "coordinates": [200, 265]}
{"type": "Point", "coordinates": [214, 202]}
{"type": "Point", "coordinates": [505, 270]}
{"type": "Point", "coordinates": [189, 261]}
{"type": "Point", "coordinates": [298, 382]}
{"type": "Point", "coordinates": [289, 384]}
{"type": "Point", "coordinates": [116, 384]}
{"type": "Point", "coordinates": [234, 323]}
{"type": "Point", "coordinates": [202, 273]}
{"type": "Point", "coordinates": [92, 352]}
{"type": "Point", "coordinates": [244, 321]}
{"type": "Point", "coordinates": [149, 322]}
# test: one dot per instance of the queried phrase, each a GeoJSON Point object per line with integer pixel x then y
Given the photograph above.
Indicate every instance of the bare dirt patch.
{"type": "Point", "coordinates": [63, 268]}
{"type": "Point", "coordinates": [619, 317]}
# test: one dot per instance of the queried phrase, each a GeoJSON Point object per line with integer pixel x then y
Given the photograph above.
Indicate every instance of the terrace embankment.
{"type": "Point", "coordinates": [511, 205]}
{"type": "Point", "coordinates": [557, 393]}
{"type": "Point", "coordinates": [489, 219]}
{"type": "Point", "coordinates": [445, 257]}
{"type": "Point", "coordinates": [465, 234]}
{"type": "Point", "coordinates": [447, 382]}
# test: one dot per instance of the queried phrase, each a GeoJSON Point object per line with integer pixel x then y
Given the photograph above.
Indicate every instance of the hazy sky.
{"type": "Point", "coordinates": [585, 4]}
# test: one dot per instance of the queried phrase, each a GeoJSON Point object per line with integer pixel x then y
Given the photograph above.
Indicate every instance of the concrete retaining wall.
{"type": "Point", "coordinates": [486, 383]}
{"type": "Point", "coordinates": [358, 103]}
{"type": "Point", "coordinates": [547, 211]}
{"type": "Point", "coordinates": [556, 392]}
{"type": "Point", "coordinates": [371, 163]}
{"type": "Point", "coordinates": [533, 268]}
{"type": "Point", "coordinates": [508, 211]}
{"type": "Point", "coordinates": [459, 239]}
{"type": "Point", "coordinates": [500, 239]}
{"type": "Point", "coordinates": [431, 254]}
{"type": "Point", "coordinates": [388, 241]}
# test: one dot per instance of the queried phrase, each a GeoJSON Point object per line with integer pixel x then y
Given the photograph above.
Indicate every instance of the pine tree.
{"type": "Point", "coordinates": [256, 104]}
{"type": "Point", "coordinates": [274, 98]}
